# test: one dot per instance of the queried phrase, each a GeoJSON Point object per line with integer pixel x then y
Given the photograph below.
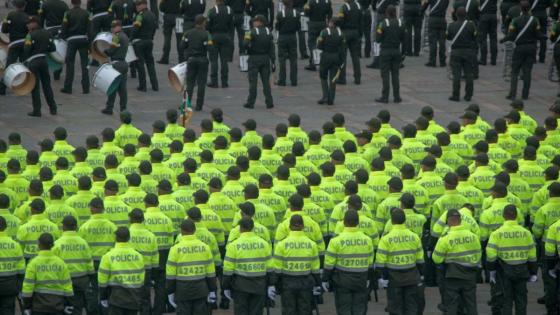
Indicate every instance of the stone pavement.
{"type": "Point", "coordinates": [420, 86]}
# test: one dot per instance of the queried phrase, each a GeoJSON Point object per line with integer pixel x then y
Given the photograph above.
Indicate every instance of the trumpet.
{"type": "Point", "coordinates": [508, 58]}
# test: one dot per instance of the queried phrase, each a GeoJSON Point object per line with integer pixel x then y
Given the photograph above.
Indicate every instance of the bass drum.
{"type": "Point", "coordinates": [101, 43]}
{"type": "Point", "coordinates": [19, 79]}
{"type": "Point", "coordinates": [177, 76]}
{"type": "Point", "coordinates": [107, 79]}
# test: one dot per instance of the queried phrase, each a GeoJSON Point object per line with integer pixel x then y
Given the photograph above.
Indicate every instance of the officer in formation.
{"type": "Point", "coordinates": [481, 209]}
{"type": "Point", "coordinates": [350, 21]}
{"type": "Point", "coordinates": [220, 24]}
{"type": "Point", "coordinates": [15, 25]}
{"type": "Point", "coordinates": [172, 22]}
{"type": "Point", "coordinates": [437, 26]}
{"type": "Point", "coordinates": [332, 42]}
{"type": "Point", "coordinates": [413, 18]}
{"type": "Point", "coordinates": [258, 43]}
{"type": "Point", "coordinates": [38, 44]}
{"type": "Point", "coordinates": [117, 55]}
{"type": "Point", "coordinates": [75, 28]}
{"type": "Point", "coordinates": [195, 44]}
{"type": "Point", "coordinates": [145, 25]}
{"type": "Point", "coordinates": [462, 34]}
{"type": "Point", "coordinates": [319, 13]}
{"type": "Point", "coordinates": [488, 31]}
{"type": "Point", "coordinates": [390, 34]}
{"type": "Point", "coordinates": [52, 15]}
{"type": "Point", "coordinates": [287, 25]}
{"type": "Point", "coordinates": [238, 8]}
{"type": "Point", "coordinates": [378, 7]}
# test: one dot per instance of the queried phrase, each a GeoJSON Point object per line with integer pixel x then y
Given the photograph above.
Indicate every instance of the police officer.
{"type": "Point", "coordinates": [259, 45]}
{"type": "Point", "coordinates": [261, 7]}
{"type": "Point", "coordinates": [122, 295]}
{"type": "Point", "coordinates": [287, 25]}
{"type": "Point", "coordinates": [75, 28]}
{"type": "Point", "coordinates": [524, 31]}
{"type": "Point", "coordinates": [319, 12]}
{"type": "Point", "coordinates": [15, 25]}
{"type": "Point", "coordinates": [171, 10]}
{"type": "Point", "coordinates": [238, 8]}
{"type": "Point", "coordinates": [437, 25]}
{"type": "Point", "coordinates": [75, 252]}
{"type": "Point", "coordinates": [488, 29]}
{"type": "Point", "coordinates": [117, 53]}
{"type": "Point", "coordinates": [125, 10]}
{"type": "Point", "coordinates": [400, 260]}
{"type": "Point", "coordinates": [348, 268]}
{"type": "Point", "coordinates": [220, 24]}
{"type": "Point", "coordinates": [296, 269]}
{"type": "Point", "coordinates": [38, 43]}
{"type": "Point", "coordinates": [52, 13]}
{"type": "Point", "coordinates": [333, 44]}
{"type": "Point", "coordinates": [190, 9]}
{"type": "Point", "coordinates": [473, 14]}
{"type": "Point", "coordinates": [195, 44]}
{"type": "Point", "coordinates": [459, 251]}
{"type": "Point", "coordinates": [11, 273]}
{"type": "Point", "coordinates": [539, 10]}
{"type": "Point", "coordinates": [247, 270]}
{"type": "Point", "coordinates": [390, 35]}
{"type": "Point", "coordinates": [366, 27]}
{"type": "Point", "coordinates": [505, 8]}
{"type": "Point", "coordinates": [512, 260]}
{"type": "Point", "coordinates": [350, 15]}
{"type": "Point", "coordinates": [379, 7]}
{"type": "Point", "coordinates": [145, 25]}
{"type": "Point", "coordinates": [413, 16]}
{"type": "Point", "coordinates": [47, 292]}
{"type": "Point", "coordinates": [99, 15]}
{"type": "Point", "coordinates": [462, 34]}
{"type": "Point", "coordinates": [189, 289]}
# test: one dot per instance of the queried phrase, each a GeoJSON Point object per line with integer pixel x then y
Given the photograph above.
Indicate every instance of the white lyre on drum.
{"type": "Point", "coordinates": [177, 76]}
{"type": "Point", "coordinates": [3, 59]}
{"type": "Point", "coordinates": [101, 43]}
{"type": "Point", "coordinates": [376, 49]}
{"type": "Point", "coordinates": [130, 55]}
{"type": "Point", "coordinates": [4, 39]}
{"type": "Point", "coordinates": [106, 79]}
{"type": "Point", "coordinates": [246, 22]}
{"type": "Point", "coordinates": [317, 56]}
{"type": "Point", "coordinates": [304, 21]}
{"type": "Point", "coordinates": [179, 21]}
{"type": "Point", "coordinates": [244, 63]}
{"type": "Point", "coordinates": [59, 55]}
{"type": "Point", "coordinates": [19, 79]}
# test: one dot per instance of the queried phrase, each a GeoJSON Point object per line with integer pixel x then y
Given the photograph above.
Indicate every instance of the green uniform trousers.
{"type": "Point", "coordinates": [192, 307]}
{"type": "Point", "coordinates": [222, 49]}
{"type": "Point", "coordinates": [460, 296]}
{"type": "Point", "coordinates": [297, 302]}
{"type": "Point", "coordinates": [349, 302]}
{"type": "Point", "coordinates": [389, 63]}
{"type": "Point", "coordinates": [436, 39]}
{"type": "Point", "coordinates": [122, 67]}
{"type": "Point", "coordinates": [402, 300]}
{"type": "Point", "coordinates": [259, 65]}
{"type": "Point", "coordinates": [488, 32]}
{"type": "Point", "coordinates": [197, 73]}
{"type": "Point", "coordinates": [461, 63]}
{"type": "Point", "coordinates": [413, 36]}
{"type": "Point", "coordinates": [329, 66]}
{"type": "Point", "coordinates": [7, 305]}
{"type": "Point", "coordinates": [247, 303]}
{"type": "Point", "coordinates": [523, 60]}
{"type": "Point", "coordinates": [168, 29]}
{"type": "Point", "coordinates": [353, 43]}
{"type": "Point", "coordinates": [315, 29]}
{"type": "Point", "coordinates": [514, 295]}
{"type": "Point", "coordinates": [144, 51]}
{"type": "Point", "coordinates": [287, 50]}
{"type": "Point", "coordinates": [80, 46]}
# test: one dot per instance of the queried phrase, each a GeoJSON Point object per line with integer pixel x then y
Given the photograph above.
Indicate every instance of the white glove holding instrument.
{"type": "Point", "coordinates": [533, 278]}
{"type": "Point", "coordinates": [317, 291]}
{"type": "Point", "coordinates": [382, 283]}
{"type": "Point", "coordinates": [211, 299]}
{"type": "Point", "coordinates": [493, 277]}
{"type": "Point", "coordinates": [271, 292]}
{"type": "Point", "coordinates": [171, 299]}
{"type": "Point", "coordinates": [227, 294]}
{"type": "Point", "coordinates": [326, 286]}
{"type": "Point", "coordinates": [105, 303]}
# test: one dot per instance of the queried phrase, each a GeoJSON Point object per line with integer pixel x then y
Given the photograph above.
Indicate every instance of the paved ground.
{"type": "Point", "coordinates": [420, 86]}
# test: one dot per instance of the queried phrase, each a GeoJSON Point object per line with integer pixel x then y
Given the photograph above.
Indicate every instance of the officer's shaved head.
{"type": "Point", "coordinates": [46, 241]}
{"type": "Point", "coordinates": [188, 227]}
{"type": "Point", "coordinates": [296, 223]}
{"type": "Point", "coordinates": [453, 217]}
{"type": "Point", "coordinates": [246, 225]}
{"type": "Point", "coordinates": [247, 209]}
{"type": "Point", "coordinates": [510, 213]}
{"type": "Point", "coordinates": [136, 216]}
{"type": "Point", "coordinates": [194, 214]}
{"type": "Point", "coordinates": [355, 203]}
{"type": "Point", "coordinates": [351, 218]}
{"type": "Point", "coordinates": [397, 216]}
{"type": "Point", "coordinates": [96, 205]}
{"type": "Point", "coordinates": [122, 235]}
{"type": "Point", "coordinates": [69, 223]}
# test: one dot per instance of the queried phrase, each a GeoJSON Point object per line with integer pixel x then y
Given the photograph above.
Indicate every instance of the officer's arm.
{"type": "Point", "coordinates": [538, 225]}
{"type": "Point", "coordinates": [330, 261]}
{"type": "Point", "coordinates": [171, 271]}
{"type": "Point", "coordinates": [492, 252]}
{"type": "Point", "coordinates": [511, 33]}
{"type": "Point", "coordinates": [66, 285]}
{"type": "Point", "coordinates": [184, 44]}
{"type": "Point", "coordinates": [316, 267]}
{"type": "Point", "coordinates": [440, 251]}
{"type": "Point", "coordinates": [247, 42]}
{"type": "Point", "coordinates": [103, 275]}
{"type": "Point", "coordinates": [381, 258]}
{"type": "Point", "coordinates": [229, 267]}
{"type": "Point", "coordinates": [532, 256]}
{"type": "Point", "coordinates": [137, 25]}
{"type": "Point", "coordinates": [210, 271]}
{"type": "Point", "coordinates": [276, 263]}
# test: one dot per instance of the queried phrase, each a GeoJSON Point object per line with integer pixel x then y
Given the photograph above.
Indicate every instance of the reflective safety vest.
{"type": "Point", "coordinates": [551, 240]}
{"type": "Point", "coordinates": [400, 249]}
{"type": "Point", "coordinates": [121, 267]}
{"type": "Point", "coordinates": [512, 244]}
{"type": "Point", "coordinates": [467, 220]}
{"type": "Point", "coordinates": [421, 196]}
{"type": "Point", "coordinates": [126, 134]}
{"type": "Point", "coordinates": [162, 227]}
{"type": "Point", "coordinates": [451, 199]}
{"type": "Point", "coordinates": [12, 223]}
{"type": "Point", "coordinates": [75, 252]}
{"type": "Point", "coordinates": [57, 210]}
{"type": "Point", "coordinates": [80, 203]}
{"type": "Point", "coordinates": [296, 255]}
{"type": "Point", "coordinates": [145, 243]}
{"type": "Point", "coordinates": [190, 259]}
{"type": "Point", "coordinates": [532, 173]}
{"type": "Point", "coordinates": [482, 178]}
{"type": "Point", "coordinates": [546, 216]}
{"type": "Point", "coordinates": [11, 257]}
{"type": "Point", "coordinates": [174, 131]}
{"type": "Point", "coordinates": [47, 274]}
{"type": "Point", "coordinates": [276, 203]}
{"type": "Point", "coordinates": [224, 207]}
{"type": "Point", "coordinates": [474, 195]}
{"type": "Point", "coordinates": [29, 233]}
{"type": "Point", "coordinates": [366, 226]}
{"type": "Point", "coordinates": [492, 218]}
{"type": "Point", "coordinates": [99, 233]}
{"type": "Point", "coordinates": [317, 155]}
{"type": "Point", "coordinates": [459, 246]}
{"type": "Point", "coordinates": [134, 197]}
{"type": "Point", "coordinates": [248, 256]}
{"type": "Point", "coordinates": [263, 215]}
{"type": "Point", "coordinates": [414, 222]}
{"type": "Point", "coordinates": [172, 209]}
{"type": "Point", "coordinates": [207, 238]}
{"type": "Point", "coordinates": [259, 229]}
{"type": "Point", "coordinates": [383, 213]}
{"type": "Point", "coordinates": [433, 185]}
{"type": "Point", "coordinates": [116, 210]}
{"type": "Point", "coordinates": [310, 228]}
{"type": "Point", "coordinates": [213, 223]}
{"type": "Point", "coordinates": [350, 251]}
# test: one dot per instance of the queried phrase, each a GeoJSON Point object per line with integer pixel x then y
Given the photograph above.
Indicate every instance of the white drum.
{"type": "Point", "coordinates": [246, 22]}
{"type": "Point", "coordinates": [19, 79]}
{"type": "Point", "coordinates": [4, 39]}
{"type": "Point", "coordinates": [177, 76]}
{"type": "Point", "coordinates": [59, 55]}
{"type": "Point", "coordinates": [304, 21]}
{"type": "Point", "coordinates": [244, 63]}
{"type": "Point", "coordinates": [101, 43]}
{"type": "Point", "coordinates": [106, 79]}
{"type": "Point", "coordinates": [317, 56]}
{"type": "Point", "coordinates": [3, 58]}
{"type": "Point", "coordinates": [179, 25]}
{"type": "Point", "coordinates": [130, 55]}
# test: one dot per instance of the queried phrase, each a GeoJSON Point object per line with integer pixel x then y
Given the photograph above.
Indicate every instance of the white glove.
{"type": "Point", "coordinates": [271, 292]}
{"type": "Point", "coordinates": [367, 284]}
{"type": "Point", "coordinates": [211, 297]}
{"type": "Point", "coordinates": [316, 291]}
{"type": "Point", "coordinates": [382, 283]}
{"type": "Point", "coordinates": [493, 277]}
{"type": "Point", "coordinates": [326, 286]}
{"type": "Point", "coordinates": [533, 278]}
{"type": "Point", "coordinates": [68, 309]}
{"type": "Point", "coordinates": [552, 273]}
{"type": "Point", "coordinates": [429, 254]}
{"type": "Point", "coordinates": [227, 294]}
{"type": "Point", "coordinates": [27, 312]}
{"type": "Point", "coordinates": [105, 303]}
{"type": "Point", "coordinates": [171, 299]}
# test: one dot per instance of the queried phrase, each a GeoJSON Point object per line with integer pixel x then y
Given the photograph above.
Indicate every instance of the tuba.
{"type": "Point", "coordinates": [508, 58]}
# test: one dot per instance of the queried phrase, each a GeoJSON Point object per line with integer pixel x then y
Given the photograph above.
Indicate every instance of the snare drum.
{"type": "Point", "coordinates": [19, 79]}
{"type": "Point", "coordinates": [177, 76]}
{"type": "Point", "coordinates": [107, 79]}
{"type": "Point", "coordinates": [101, 43]}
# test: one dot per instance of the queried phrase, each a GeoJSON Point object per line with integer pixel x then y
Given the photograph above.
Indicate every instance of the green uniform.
{"type": "Point", "coordinates": [207, 238]}
{"type": "Point", "coordinates": [12, 269]}
{"type": "Point", "coordinates": [440, 227]}
{"type": "Point", "coordinates": [214, 223]}
{"type": "Point", "coordinates": [451, 199]}
{"type": "Point", "coordinates": [366, 226]}
{"type": "Point", "coordinates": [224, 207]}
{"type": "Point", "coordinates": [287, 24]}
{"type": "Point", "coordinates": [127, 134]}
{"type": "Point", "coordinates": [437, 25]}
{"type": "Point", "coordinates": [237, 149]}
{"type": "Point", "coordinates": [19, 185]}
{"type": "Point", "coordinates": [276, 203]}
{"type": "Point", "coordinates": [99, 233]}
{"type": "Point", "coordinates": [383, 213]}
{"type": "Point", "coordinates": [350, 15]}
{"type": "Point", "coordinates": [28, 233]}
{"type": "Point", "coordinates": [17, 152]}
{"type": "Point", "coordinates": [145, 243]}
{"type": "Point", "coordinates": [332, 43]}
{"type": "Point", "coordinates": [492, 218]}
{"type": "Point", "coordinates": [234, 190]}
{"type": "Point", "coordinates": [547, 215]}
{"type": "Point", "coordinates": [259, 229]}
{"type": "Point", "coordinates": [378, 183]}
{"type": "Point", "coordinates": [390, 35]}
{"type": "Point", "coordinates": [251, 139]}
{"type": "Point", "coordinates": [81, 169]}
{"type": "Point", "coordinates": [482, 178]}
{"type": "Point", "coordinates": [12, 223]}
{"type": "Point", "coordinates": [322, 199]}
{"type": "Point", "coordinates": [317, 155]}
{"type": "Point", "coordinates": [506, 142]}
{"type": "Point", "coordinates": [134, 198]}
{"type": "Point", "coordinates": [463, 36]}
{"type": "Point", "coordinates": [206, 141]}
{"type": "Point", "coordinates": [414, 222]}
{"type": "Point", "coordinates": [421, 196]}
{"type": "Point", "coordinates": [433, 185]}
{"type": "Point", "coordinates": [172, 209]}
{"type": "Point", "coordinates": [271, 160]}
{"type": "Point", "coordinates": [57, 210]}
{"type": "Point", "coordinates": [116, 210]}
{"type": "Point", "coordinates": [258, 43]}
{"type": "Point", "coordinates": [532, 173]}
{"type": "Point", "coordinates": [311, 229]}
{"type": "Point", "coordinates": [223, 160]}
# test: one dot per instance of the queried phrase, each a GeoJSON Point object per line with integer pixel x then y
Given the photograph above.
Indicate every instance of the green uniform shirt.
{"type": "Point", "coordinates": [283, 146]}
{"type": "Point", "coordinates": [518, 132]}
{"type": "Point", "coordinates": [296, 255]}
{"type": "Point", "coordinates": [440, 227]}
{"type": "Point", "coordinates": [191, 151]}
{"type": "Point", "coordinates": [330, 143]}
{"type": "Point", "coordinates": [17, 152]}
{"type": "Point", "coordinates": [433, 185]}
{"type": "Point", "coordinates": [99, 233]}
{"type": "Point", "coordinates": [400, 249]}
{"type": "Point", "coordinates": [451, 199]}
{"type": "Point", "coordinates": [214, 223]}
{"type": "Point", "coordinates": [342, 174]}
{"type": "Point", "coordinates": [459, 246]}
{"type": "Point", "coordinates": [256, 169]}
{"type": "Point", "coordinates": [81, 169]}
{"type": "Point", "coordinates": [189, 260]}
{"type": "Point", "coordinates": [134, 197]}
{"type": "Point", "coordinates": [234, 190]}
{"type": "Point", "coordinates": [311, 229]}
{"type": "Point", "coordinates": [378, 183]}
{"type": "Point", "coordinates": [317, 155]}
{"type": "Point", "coordinates": [271, 160]}
{"type": "Point", "coordinates": [221, 129]}
{"type": "Point", "coordinates": [322, 199]}
{"type": "Point", "coordinates": [207, 171]}
{"type": "Point", "coordinates": [248, 256]}
{"type": "Point", "coordinates": [224, 207]}
{"type": "Point", "coordinates": [492, 218]}
{"type": "Point", "coordinates": [459, 145]}
{"type": "Point", "coordinates": [29, 233]}
{"type": "Point", "coordinates": [552, 240]}
{"type": "Point", "coordinates": [110, 148]}
{"type": "Point", "coordinates": [75, 252]}
{"type": "Point", "coordinates": [80, 203]}
{"type": "Point", "coordinates": [12, 223]}
{"type": "Point", "coordinates": [511, 244]}
{"type": "Point", "coordinates": [184, 196]}
{"type": "Point", "coordinates": [54, 282]}
{"type": "Point", "coordinates": [11, 196]}
{"type": "Point", "coordinates": [145, 243]}
{"type": "Point", "coordinates": [175, 163]}
{"type": "Point", "coordinates": [172, 209]}
{"type": "Point", "coordinates": [414, 222]}
{"type": "Point", "coordinates": [306, 167]}
{"type": "Point", "coordinates": [112, 268]}
{"type": "Point", "coordinates": [540, 198]}
{"type": "Point", "coordinates": [11, 257]}
{"type": "Point", "coordinates": [18, 185]}
{"type": "Point", "coordinates": [48, 159]}
{"type": "Point", "coordinates": [127, 134]}
{"type": "Point", "coordinates": [387, 131]}
{"type": "Point", "coordinates": [223, 160]}
{"type": "Point", "coordinates": [451, 157]}
{"type": "Point", "coordinates": [366, 226]}
{"type": "Point", "coordinates": [532, 173]}
{"type": "Point", "coordinates": [296, 134]}
{"type": "Point", "coordinates": [434, 128]}
{"type": "Point", "coordinates": [547, 215]}
{"type": "Point", "coordinates": [160, 141]}
{"type": "Point", "coordinates": [274, 202]}
{"type": "Point", "coordinates": [237, 149]}
{"type": "Point", "coordinates": [129, 165]}
{"type": "Point", "coordinates": [30, 173]}
{"type": "Point", "coordinates": [506, 142]}
{"type": "Point", "coordinates": [57, 210]}
{"type": "Point", "coordinates": [383, 213]}
{"type": "Point", "coordinates": [68, 182]}
{"type": "Point", "coordinates": [283, 188]}
{"type": "Point", "coordinates": [425, 137]}
{"type": "Point", "coordinates": [259, 229]}
{"type": "Point", "coordinates": [116, 210]}
{"type": "Point", "coordinates": [251, 139]}
{"type": "Point", "coordinates": [161, 225]}
{"type": "Point", "coordinates": [472, 134]}
{"type": "Point", "coordinates": [369, 197]}
{"type": "Point", "coordinates": [482, 178]}
{"type": "Point", "coordinates": [421, 196]}
{"type": "Point", "coordinates": [174, 131]}
{"type": "Point", "coordinates": [95, 158]}
{"type": "Point", "coordinates": [63, 149]}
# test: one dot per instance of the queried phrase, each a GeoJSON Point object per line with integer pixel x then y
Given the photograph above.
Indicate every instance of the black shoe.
{"type": "Point", "coordinates": [482, 63]}
{"type": "Point", "coordinates": [430, 64]}
{"type": "Point", "coordinates": [382, 100]}
{"type": "Point", "coordinates": [212, 85]}
{"type": "Point", "coordinates": [322, 101]}
{"type": "Point", "coordinates": [141, 89]}
{"type": "Point", "coordinates": [341, 82]}
{"type": "Point", "coordinates": [541, 300]}
{"type": "Point", "coordinates": [454, 98]}
{"type": "Point", "coordinates": [163, 62]}
{"type": "Point", "coordinates": [443, 64]}
{"type": "Point", "coordinates": [310, 68]}
{"type": "Point", "coordinates": [107, 111]}
{"type": "Point", "coordinates": [373, 65]}
{"type": "Point", "coordinates": [65, 91]}
{"type": "Point", "coordinates": [34, 114]}
{"type": "Point", "coordinates": [467, 98]}
{"type": "Point", "coordinates": [330, 102]}
{"type": "Point", "coordinates": [510, 97]}
{"type": "Point", "coordinates": [224, 304]}
{"type": "Point", "coordinates": [280, 83]}
{"type": "Point", "coordinates": [155, 88]}
{"type": "Point", "coordinates": [225, 85]}
{"type": "Point", "coordinates": [86, 91]}
{"type": "Point", "coordinates": [397, 100]}
{"type": "Point", "coordinates": [493, 62]}
{"type": "Point", "coordinates": [357, 81]}
{"type": "Point", "coordinates": [248, 106]}
{"type": "Point", "coordinates": [53, 111]}
{"type": "Point", "coordinates": [269, 106]}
